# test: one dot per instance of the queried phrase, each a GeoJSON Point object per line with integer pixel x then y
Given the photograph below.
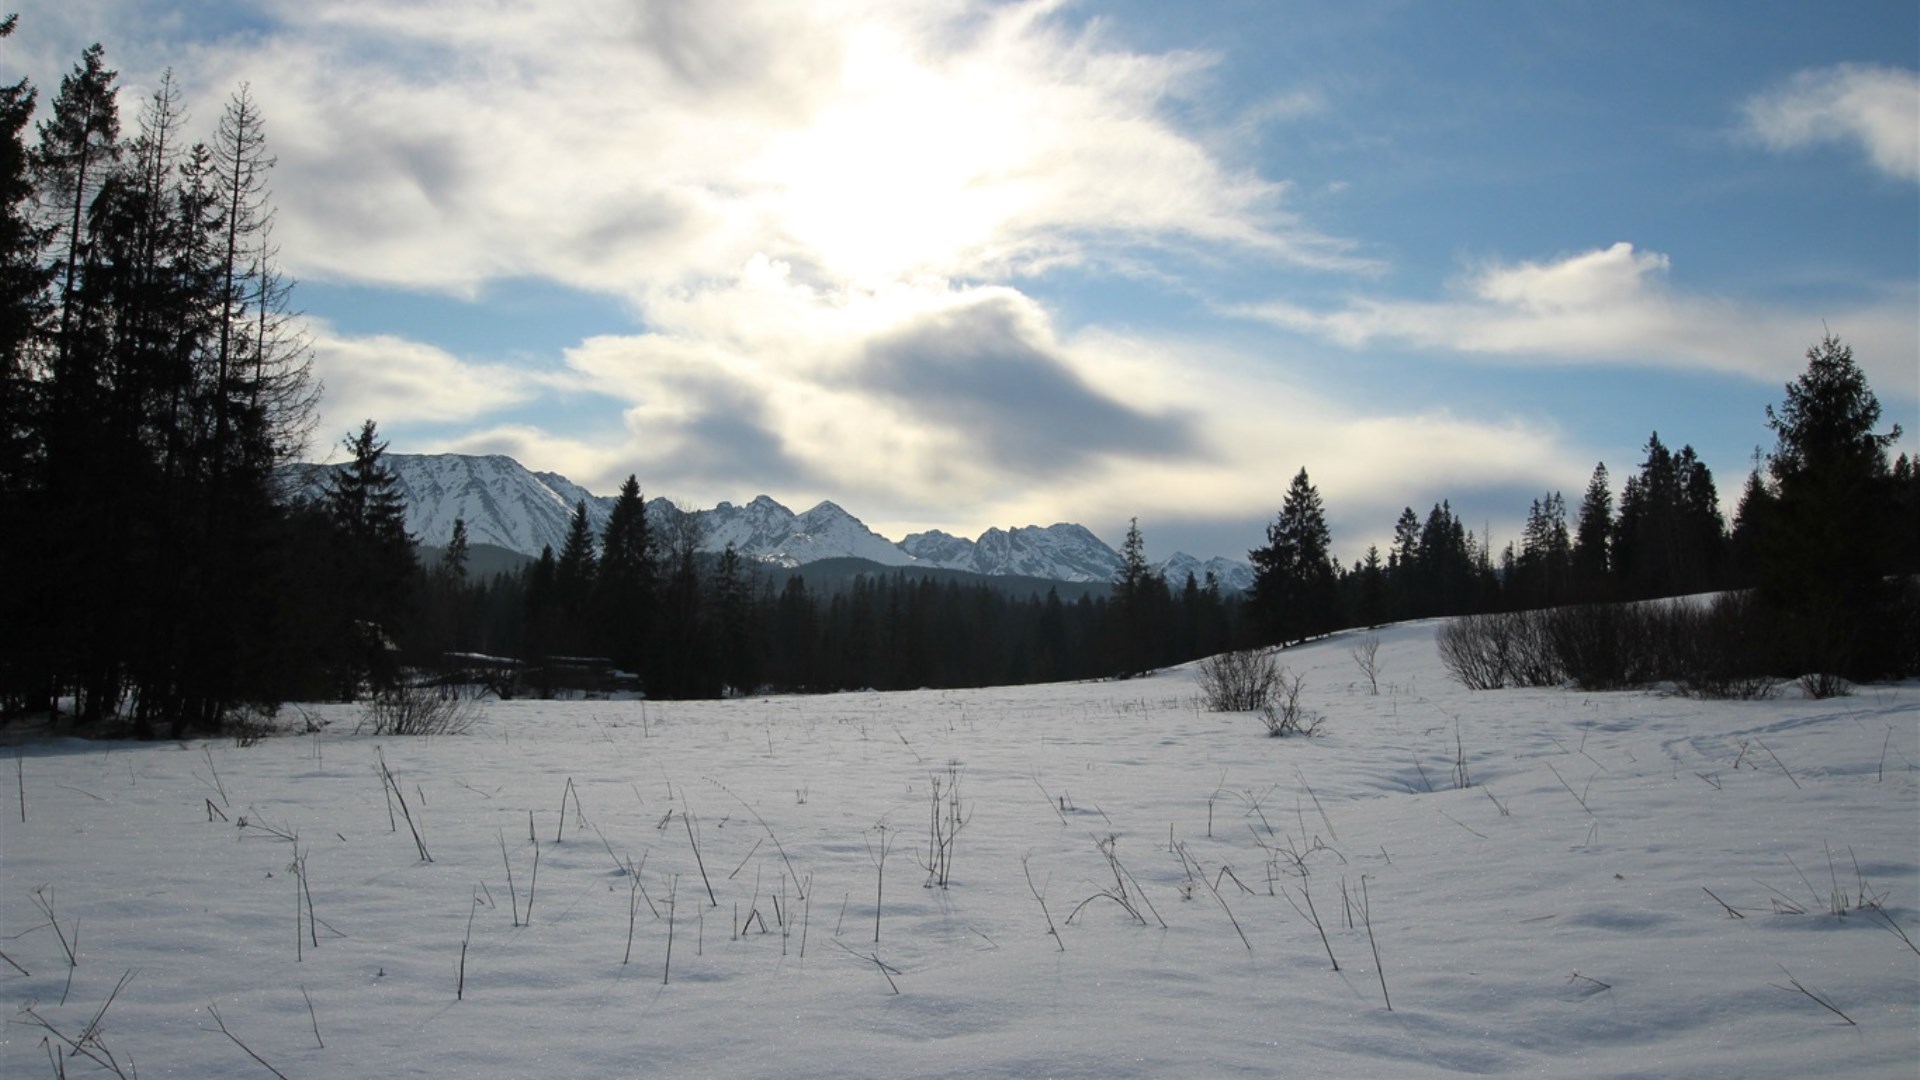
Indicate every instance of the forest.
{"type": "Point", "coordinates": [155, 377]}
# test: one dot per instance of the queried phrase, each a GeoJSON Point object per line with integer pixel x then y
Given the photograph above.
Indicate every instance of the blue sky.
{"type": "Point", "coordinates": [957, 264]}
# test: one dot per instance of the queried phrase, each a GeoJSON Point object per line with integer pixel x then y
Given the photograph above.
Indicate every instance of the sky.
{"type": "Point", "coordinates": [957, 264]}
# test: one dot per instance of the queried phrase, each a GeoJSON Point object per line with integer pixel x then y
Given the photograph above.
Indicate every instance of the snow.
{"type": "Point", "coordinates": [1552, 919]}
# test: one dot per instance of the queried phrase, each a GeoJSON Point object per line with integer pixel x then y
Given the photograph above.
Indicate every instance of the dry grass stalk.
{"type": "Point", "coordinates": [1040, 897]}
{"type": "Point", "coordinates": [1816, 998]}
{"type": "Point", "coordinates": [215, 1013]}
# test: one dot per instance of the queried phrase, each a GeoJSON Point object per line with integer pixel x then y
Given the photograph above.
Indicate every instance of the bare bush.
{"type": "Point", "coordinates": [1491, 652]}
{"type": "Point", "coordinates": [417, 710]}
{"type": "Point", "coordinates": [1366, 654]}
{"type": "Point", "coordinates": [1825, 684]}
{"type": "Point", "coordinates": [1726, 649]}
{"type": "Point", "coordinates": [1239, 681]}
{"type": "Point", "coordinates": [1283, 713]}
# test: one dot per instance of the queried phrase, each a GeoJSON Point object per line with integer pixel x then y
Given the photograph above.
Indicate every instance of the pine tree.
{"type": "Point", "coordinates": [1295, 593]}
{"type": "Point", "coordinates": [1541, 571]}
{"type": "Point", "coordinates": [1593, 537]}
{"type": "Point", "coordinates": [574, 580]}
{"type": "Point", "coordinates": [1132, 633]}
{"type": "Point", "coordinates": [1670, 538]}
{"type": "Point", "coordinates": [453, 563]}
{"type": "Point", "coordinates": [1753, 519]}
{"type": "Point", "coordinates": [625, 592]}
{"type": "Point", "coordinates": [376, 559]}
{"type": "Point", "coordinates": [1825, 560]}
{"type": "Point", "coordinates": [78, 145]}
{"type": "Point", "coordinates": [739, 653]}
{"type": "Point", "coordinates": [23, 329]}
{"type": "Point", "coordinates": [22, 284]}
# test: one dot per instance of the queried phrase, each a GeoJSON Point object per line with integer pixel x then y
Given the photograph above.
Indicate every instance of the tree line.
{"type": "Point", "coordinates": [1826, 533]}
{"type": "Point", "coordinates": [641, 602]}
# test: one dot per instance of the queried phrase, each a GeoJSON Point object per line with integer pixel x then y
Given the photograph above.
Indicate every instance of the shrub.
{"type": "Point", "coordinates": [417, 710]}
{"type": "Point", "coordinates": [1239, 681]}
{"type": "Point", "coordinates": [1282, 712]}
{"type": "Point", "coordinates": [1729, 648]}
{"type": "Point", "coordinates": [1491, 652]}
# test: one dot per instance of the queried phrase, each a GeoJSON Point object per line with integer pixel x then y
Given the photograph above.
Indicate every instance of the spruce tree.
{"type": "Point", "coordinates": [454, 562]}
{"type": "Point", "coordinates": [376, 558]}
{"type": "Point", "coordinates": [1593, 537]}
{"type": "Point", "coordinates": [1132, 630]}
{"type": "Point", "coordinates": [574, 579]}
{"type": "Point", "coordinates": [1824, 563]}
{"type": "Point", "coordinates": [625, 591]}
{"type": "Point", "coordinates": [1295, 593]}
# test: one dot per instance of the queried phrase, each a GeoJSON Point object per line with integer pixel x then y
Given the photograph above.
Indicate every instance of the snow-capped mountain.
{"type": "Point", "coordinates": [768, 531]}
{"type": "Point", "coordinates": [501, 501]}
{"type": "Point", "coordinates": [1059, 552]}
{"type": "Point", "coordinates": [506, 504]}
{"type": "Point", "coordinates": [1232, 576]}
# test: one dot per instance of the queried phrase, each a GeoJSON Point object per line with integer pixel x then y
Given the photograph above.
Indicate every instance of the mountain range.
{"type": "Point", "coordinates": [508, 505]}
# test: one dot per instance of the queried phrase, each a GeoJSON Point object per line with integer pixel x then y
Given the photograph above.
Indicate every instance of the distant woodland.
{"type": "Point", "coordinates": [159, 582]}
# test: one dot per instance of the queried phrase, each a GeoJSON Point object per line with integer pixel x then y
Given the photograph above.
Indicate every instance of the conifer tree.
{"type": "Point", "coordinates": [1825, 556]}
{"type": "Point", "coordinates": [1593, 537]}
{"type": "Point", "coordinates": [574, 578]}
{"type": "Point", "coordinates": [78, 145]}
{"type": "Point", "coordinates": [1295, 593]}
{"type": "Point", "coordinates": [454, 562]}
{"type": "Point", "coordinates": [1132, 630]}
{"type": "Point", "coordinates": [376, 559]}
{"type": "Point", "coordinates": [625, 591]}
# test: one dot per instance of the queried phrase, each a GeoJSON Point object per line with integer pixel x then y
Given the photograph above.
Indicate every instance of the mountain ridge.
{"type": "Point", "coordinates": [506, 504]}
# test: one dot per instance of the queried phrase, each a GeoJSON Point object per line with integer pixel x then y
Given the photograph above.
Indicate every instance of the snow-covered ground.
{"type": "Point", "coordinates": [1552, 918]}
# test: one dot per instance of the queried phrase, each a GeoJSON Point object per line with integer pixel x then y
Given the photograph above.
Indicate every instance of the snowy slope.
{"type": "Point", "coordinates": [1551, 917]}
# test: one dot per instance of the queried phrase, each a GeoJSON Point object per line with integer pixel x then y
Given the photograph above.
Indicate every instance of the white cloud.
{"type": "Point", "coordinates": [1611, 305]}
{"type": "Point", "coordinates": [397, 381]}
{"type": "Point", "coordinates": [638, 149]}
{"type": "Point", "coordinates": [1877, 107]}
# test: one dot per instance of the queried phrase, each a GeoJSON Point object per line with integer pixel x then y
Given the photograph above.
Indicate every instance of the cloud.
{"type": "Point", "coordinates": [987, 371]}
{"type": "Point", "coordinates": [397, 381]}
{"type": "Point", "coordinates": [1874, 106]}
{"type": "Point", "coordinates": [1611, 305]}
{"type": "Point", "coordinates": [647, 148]}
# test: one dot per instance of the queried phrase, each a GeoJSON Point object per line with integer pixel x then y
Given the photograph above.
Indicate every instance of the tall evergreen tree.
{"type": "Point", "coordinates": [1753, 519]}
{"type": "Point", "coordinates": [1295, 593]}
{"type": "Point", "coordinates": [78, 145]}
{"type": "Point", "coordinates": [575, 575]}
{"type": "Point", "coordinates": [1445, 570]}
{"type": "Point", "coordinates": [1133, 628]}
{"type": "Point", "coordinates": [738, 660]}
{"type": "Point", "coordinates": [454, 562]}
{"type": "Point", "coordinates": [625, 591]}
{"type": "Point", "coordinates": [23, 330]}
{"type": "Point", "coordinates": [376, 559]}
{"type": "Point", "coordinates": [1670, 537]}
{"type": "Point", "coordinates": [1593, 537]}
{"type": "Point", "coordinates": [1544, 566]}
{"type": "Point", "coordinates": [1825, 558]}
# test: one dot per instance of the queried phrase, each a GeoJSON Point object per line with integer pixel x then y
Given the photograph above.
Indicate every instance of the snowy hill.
{"type": "Point", "coordinates": [507, 504]}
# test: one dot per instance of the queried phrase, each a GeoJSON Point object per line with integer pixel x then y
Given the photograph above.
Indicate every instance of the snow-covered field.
{"type": "Point", "coordinates": [1552, 918]}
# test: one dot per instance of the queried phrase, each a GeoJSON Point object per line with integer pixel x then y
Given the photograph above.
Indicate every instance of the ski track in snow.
{"type": "Point", "coordinates": [1549, 920]}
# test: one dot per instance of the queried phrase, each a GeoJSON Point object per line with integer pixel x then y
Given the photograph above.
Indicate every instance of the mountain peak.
{"type": "Point", "coordinates": [504, 503]}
